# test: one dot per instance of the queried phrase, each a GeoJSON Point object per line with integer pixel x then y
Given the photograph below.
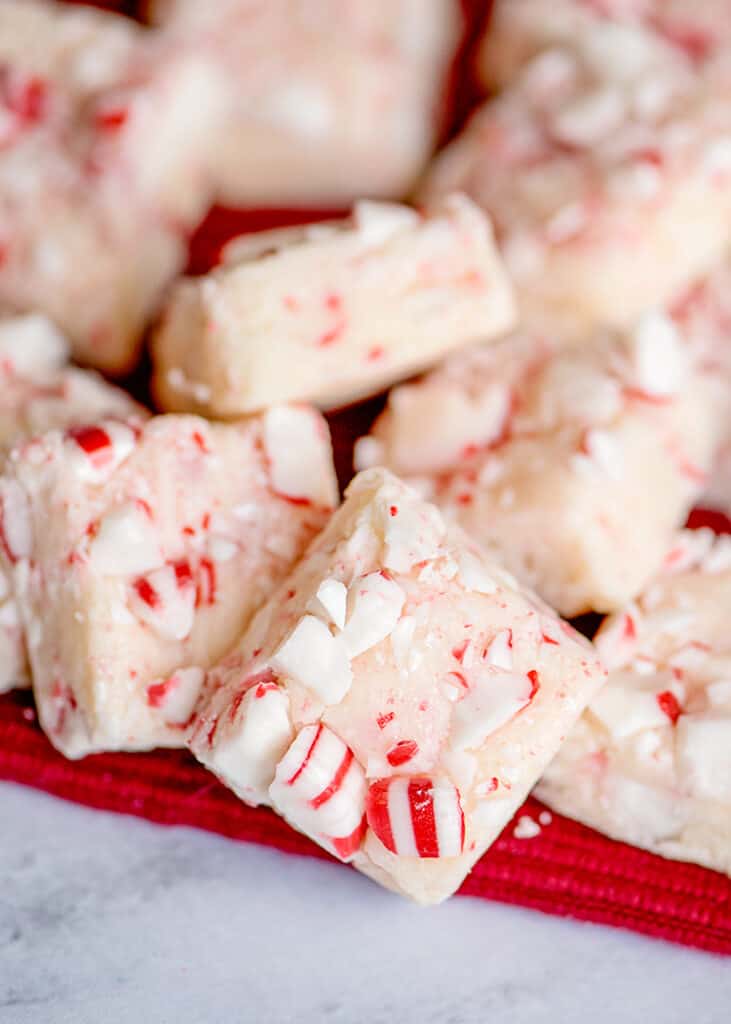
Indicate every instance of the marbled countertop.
{"type": "Point", "coordinates": [110, 920]}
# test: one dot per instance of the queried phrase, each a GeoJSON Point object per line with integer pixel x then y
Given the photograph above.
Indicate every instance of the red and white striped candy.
{"type": "Point", "coordinates": [99, 450]}
{"type": "Point", "coordinates": [417, 816]}
{"type": "Point", "coordinates": [320, 788]}
{"type": "Point", "coordinates": [16, 534]}
{"type": "Point", "coordinates": [165, 599]}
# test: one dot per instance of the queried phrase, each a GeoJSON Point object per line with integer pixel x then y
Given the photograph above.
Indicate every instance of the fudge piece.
{"type": "Point", "coordinates": [309, 122]}
{"type": "Point", "coordinates": [520, 29]}
{"type": "Point", "coordinates": [650, 761]}
{"type": "Point", "coordinates": [546, 454]}
{"type": "Point", "coordinates": [38, 391]}
{"type": "Point", "coordinates": [138, 553]}
{"type": "Point", "coordinates": [703, 315]}
{"type": "Point", "coordinates": [101, 177]}
{"type": "Point", "coordinates": [397, 696]}
{"type": "Point", "coordinates": [610, 191]}
{"type": "Point", "coordinates": [332, 312]}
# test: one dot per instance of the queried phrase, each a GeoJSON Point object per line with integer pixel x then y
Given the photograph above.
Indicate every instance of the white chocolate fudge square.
{"type": "Point", "coordinates": [397, 696]}
{"type": "Point", "coordinates": [139, 553]}
{"type": "Point", "coordinates": [650, 761]}
{"type": "Point", "coordinates": [574, 464]}
{"type": "Point", "coordinates": [39, 391]}
{"type": "Point", "coordinates": [520, 29]}
{"type": "Point", "coordinates": [309, 122]}
{"type": "Point", "coordinates": [101, 176]}
{"type": "Point", "coordinates": [609, 195]}
{"type": "Point", "coordinates": [331, 313]}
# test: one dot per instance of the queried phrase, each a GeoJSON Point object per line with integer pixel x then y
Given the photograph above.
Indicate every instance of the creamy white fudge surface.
{"type": "Point", "coordinates": [39, 391]}
{"type": "Point", "coordinates": [703, 315]}
{"type": "Point", "coordinates": [138, 552]}
{"type": "Point", "coordinates": [309, 122]}
{"type": "Point", "coordinates": [330, 313]}
{"type": "Point", "coordinates": [519, 29]}
{"type": "Point", "coordinates": [398, 695]}
{"type": "Point", "coordinates": [101, 174]}
{"type": "Point", "coordinates": [650, 761]}
{"type": "Point", "coordinates": [575, 464]}
{"type": "Point", "coordinates": [609, 187]}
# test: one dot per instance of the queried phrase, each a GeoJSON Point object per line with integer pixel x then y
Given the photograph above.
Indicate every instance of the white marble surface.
{"type": "Point", "coordinates": [110, 920]}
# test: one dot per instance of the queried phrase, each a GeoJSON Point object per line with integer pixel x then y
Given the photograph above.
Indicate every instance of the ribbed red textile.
{"type": "Point", "coordinates": [566, 870]}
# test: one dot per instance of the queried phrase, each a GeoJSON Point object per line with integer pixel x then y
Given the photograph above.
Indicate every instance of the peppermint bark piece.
{"type": "Point", "coordinates": [545, 453]}
{"type": "Point", "coordinates": [101, 178]}
{"type": "Point", "coordinates": [397, 696]}
{"type": "Point", "coordinates": [610, 191]}
{"type": "Point", "coordinates": [520, 29]}
{"type": "Point", "coordinates": [138, 554]}
{"type": "Point", "coordinates": [650, 761]}
{"type": "Point", "coordinates": [309, 123]}
{"type": "Point", "coordinates": [40, 391]}
{"type": "Point", "coordinates": [331, 312]}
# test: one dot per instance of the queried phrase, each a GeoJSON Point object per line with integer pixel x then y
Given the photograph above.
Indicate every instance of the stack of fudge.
{"type": "Point", "coordinates": [392, 673]}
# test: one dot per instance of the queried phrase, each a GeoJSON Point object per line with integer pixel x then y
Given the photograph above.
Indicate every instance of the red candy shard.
{"type": "Point", "coordinates": [383, 720]}
{"type": "Point", "coordinates": [377, 813]}
{"type": "Point", "coordinates": [669, 705]}
{"type": "Point", "coordinates": [146, 592]}
{"type": "Point", "coordinates": [206, 592]}
{"type": "Point", "coordinates": [157, 692]}
{"type": "Point", "coordinates": [535, 683]}
{"type": "Point", "coordinates": [346, 846]}
{"type": "Point", "coordinates": [421, 804]}
{"type": "Point", "coordinates": [183, 573]}
{"type": "Point", "coordinates": [90, 439]}
{"type": "Point", "coordinates": [404, 751]}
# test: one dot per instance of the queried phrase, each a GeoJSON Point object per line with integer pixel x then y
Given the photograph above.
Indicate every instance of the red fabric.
{"type": "Point", "coordinates": [566, 870]}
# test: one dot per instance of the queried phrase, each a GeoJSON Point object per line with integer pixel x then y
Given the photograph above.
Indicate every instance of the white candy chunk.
{"type": "Point", "coordinates": [292, 436]}
{"type": "Point", "coordinates": [347, 310]}
{"type": "Point", "coordinates": [499, 652]}
{"type": "Point", "coordinates": [332, 596]}
{"type": "Point", "coordinates": [426, 716]}
{"type": "Point", "coordinates": [320, 788]}
{"type": "Point", "coordinates": [375, 603]}
{"type": "Point", "coordinates": [592, 431]}
{"type": "Point", "coordinates": [591, 118]}
{"type": "Point", "coordinates": [16, 531]}
{"type": "Point", "coordinates": [247, 757]}
{"type": "Point", "coordinates": [126, 542]}
{"type": "Point", "coordinates": [649, 763]}
{"type": "Point", "coordinates": [473, 575]}
{"type": "Point", "coordinates": [165, 602]}
{"type": "Point", "coordinates": [704, 754]}
{"type": "Point", "coordinates": [625, 713]}
{"type": "Point", "coordinates": [177, 695]}
{"type": "Point", "coordinates": [494, 700]}
{"type": "Point", "coordinates": [312, 656]}
{"type": "Point", "coordinates": [32, 345]}
{"type": "Point", "coordinates": [138, 577]}
{"type": "Point", "coordinates": [662, 365]}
